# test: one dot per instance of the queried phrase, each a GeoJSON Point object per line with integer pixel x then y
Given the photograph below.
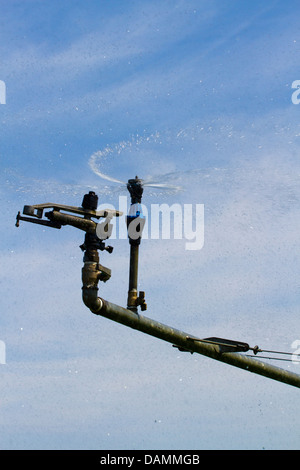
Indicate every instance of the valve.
{"type": "Point", "coordinates": [141, 301]}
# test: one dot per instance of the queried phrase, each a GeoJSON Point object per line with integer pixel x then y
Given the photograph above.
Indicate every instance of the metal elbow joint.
{"type": "Point", "coordinates": [92, 272]}
{"type": "Point", "coordinates": [90, 299]}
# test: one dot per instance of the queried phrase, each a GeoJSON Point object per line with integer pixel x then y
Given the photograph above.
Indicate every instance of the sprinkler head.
{"type": "Point", "coordinates": [90, 201]}
{"type": "Point", "coordinates": [135, 189]}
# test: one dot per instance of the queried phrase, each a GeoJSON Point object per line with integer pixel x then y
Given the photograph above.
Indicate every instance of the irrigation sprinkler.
{"type": "Point", "coordinates": [96, 233]}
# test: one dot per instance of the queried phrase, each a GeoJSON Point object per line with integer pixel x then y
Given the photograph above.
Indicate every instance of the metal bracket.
{"type": "Point", "coordinates": [227, 345]}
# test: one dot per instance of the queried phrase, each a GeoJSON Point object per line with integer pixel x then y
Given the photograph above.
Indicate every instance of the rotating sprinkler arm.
{"type": "Point", "coordinates": [35, 213]}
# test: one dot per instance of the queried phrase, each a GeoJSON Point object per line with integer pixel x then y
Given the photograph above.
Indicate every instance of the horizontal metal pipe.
{"type": "Point", "coordinates": [189, 343]}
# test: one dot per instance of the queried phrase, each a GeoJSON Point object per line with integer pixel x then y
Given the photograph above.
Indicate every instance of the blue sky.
{"type": "Point", "coordinates": [192, 93]}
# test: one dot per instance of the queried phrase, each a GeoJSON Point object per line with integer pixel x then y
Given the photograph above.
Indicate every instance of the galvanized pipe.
{"type": "Point", "coordinates": [133, 267]}
{"type": "Point", "coordinates": [133, 278]}
{"type": "Point", "coordinates": [189, 343]}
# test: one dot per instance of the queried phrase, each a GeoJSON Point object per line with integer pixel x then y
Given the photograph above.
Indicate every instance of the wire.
{"type": "Point", "coordinates": [276, 352]}
{"type": "Point", "coordinates": [243, 347]}
{"type": "Point", "coordinates": [277, 358]}
{"type": "Point", "coordinates": [273, 358]}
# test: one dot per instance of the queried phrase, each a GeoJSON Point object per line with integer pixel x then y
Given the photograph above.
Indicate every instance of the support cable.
{"type": "Point", "coordinates": [237, 346]}
{"type": "Point", "coordinates": [273, 358]}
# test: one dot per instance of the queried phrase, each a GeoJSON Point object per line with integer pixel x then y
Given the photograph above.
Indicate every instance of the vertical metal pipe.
{"type": "Point", "coordinates": [135, 223]}
{"type": "Point", "coordinates": [133, 277]}
{"type": "Point", "coordinates": [133, 269]}
{"type": "Point", "coordinates": [134, 260]}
